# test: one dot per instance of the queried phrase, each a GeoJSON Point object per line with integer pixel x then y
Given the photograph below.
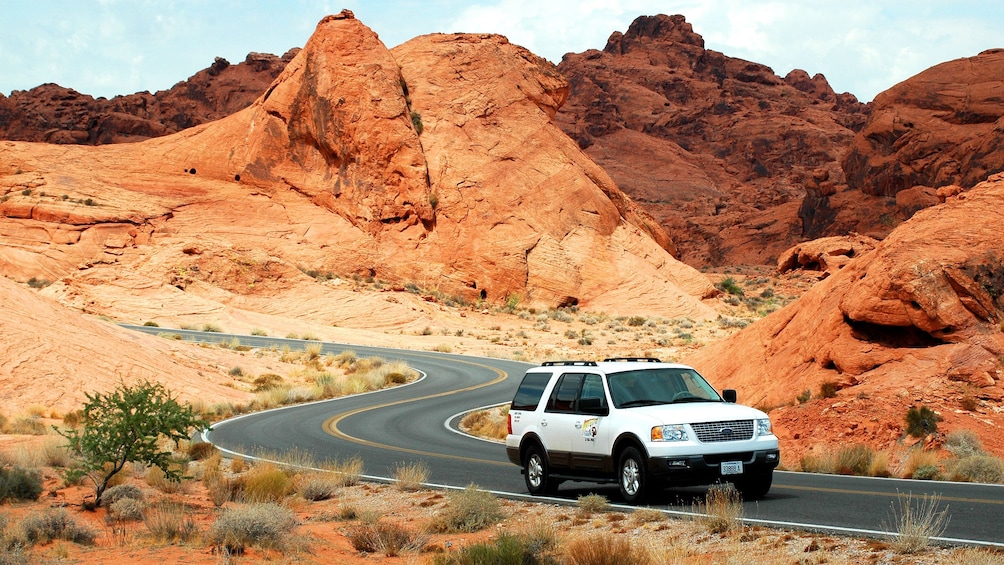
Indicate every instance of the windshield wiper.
{"type": "Point", "coordinates": [686, 399]}
{"type": "Point", "coordinates": [640, 402]}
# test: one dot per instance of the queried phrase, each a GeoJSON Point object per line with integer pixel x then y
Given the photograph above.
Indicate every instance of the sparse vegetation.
{"type": "Point", "coordinates": [921, 421]}
{"type": "Point", "coordinates": [18, 483]}
{"type": "Point", "coordinates": [411, 476]}
{"type": "Point", "coordinates": [916, 524]}
{"type": "Point", "coordinates": [55, 524]}
{"type": "Point", "coordinates": [978, 469]}
{"type": "Point", "coordinates": [469, 510]}
{"type": "Point", "coordinates": [267, 525]}
{"type": "Point", "coordinates": [828, 389]}
{"type": "Point", "coordinates": [126, 425]}
{"type": "Point", "coordinates": [592, 503]}
{"type": "Point", "coordinates": [722, 509]}
{"type": "Point", "coordinates": [605, 550]}
{"type": "Point", "coordinates": [730, 286]}
{"type": "Point", "coordinates": [388, 539]}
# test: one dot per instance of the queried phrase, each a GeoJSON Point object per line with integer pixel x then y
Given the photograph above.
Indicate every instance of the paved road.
{"type": "Point", "coordinates": [416, 422]}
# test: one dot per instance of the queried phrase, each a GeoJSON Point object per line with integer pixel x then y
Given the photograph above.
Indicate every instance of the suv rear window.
{"type": "Point", "coordinates": [530, 390]}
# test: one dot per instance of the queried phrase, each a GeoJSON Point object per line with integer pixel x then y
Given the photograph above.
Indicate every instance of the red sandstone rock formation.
{"type": "Point", "coordinates": [55, 114]}
{"type": "Point", "coordinates": [327, 171]}
{"type": "Point", "coordinates": [941, 127]}
{"type": "Point", "coordinates": [917, 320]}
{"type": "Point", "coordinates": [717, 148]}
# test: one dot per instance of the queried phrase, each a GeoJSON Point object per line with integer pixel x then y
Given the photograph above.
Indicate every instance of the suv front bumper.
{"type": "Point", "coordinates": [707, 469]}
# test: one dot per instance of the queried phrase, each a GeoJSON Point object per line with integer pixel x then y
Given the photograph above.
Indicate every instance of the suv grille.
{"type": "Point", "coordinates": [734, 430]}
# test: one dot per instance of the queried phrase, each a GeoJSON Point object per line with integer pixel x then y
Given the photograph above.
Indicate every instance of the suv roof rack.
{"type": "Point", "coordinates": [554, 363]}
{"type": "Point", "coordinates": [633, 359]}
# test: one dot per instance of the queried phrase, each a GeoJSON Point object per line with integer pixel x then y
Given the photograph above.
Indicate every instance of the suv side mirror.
{"type": "Point", "coordinates": [729, 395]}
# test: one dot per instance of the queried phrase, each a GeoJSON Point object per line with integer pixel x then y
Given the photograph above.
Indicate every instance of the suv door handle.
{"type": "Point", "coordinates": [543, 423]}
{"type": "Point", "coordinates": [578, 425]}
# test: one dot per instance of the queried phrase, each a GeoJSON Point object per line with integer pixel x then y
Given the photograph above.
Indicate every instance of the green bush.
{"type": "Point", "coordinates": [828, 390]}
{"type": "Point", "coordinates": [18, 483]}
{"type": "Point", "coordinates": [979, 469]}
{"type": "Point", "coordinates": [921, 421]}
{"type": "Point", "coordinates": [267, 525]}
{"type": "Point", "coordinates": [730, 286]}
{"type": "Point", "coordinates": [927, 473]}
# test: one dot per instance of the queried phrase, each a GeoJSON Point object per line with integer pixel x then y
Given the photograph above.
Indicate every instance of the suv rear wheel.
{"type": "Point", "coordinates": [631, 475]}
{"type": "Point", "coordinates": [536, 473]}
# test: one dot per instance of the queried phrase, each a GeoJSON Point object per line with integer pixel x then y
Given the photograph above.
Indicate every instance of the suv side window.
{"type": "Point", "coordinates": [530, 390]}
{"type": "Point", "coordinates": [592, 399]}
{"type": "Point", "coordinates": [565, 393]}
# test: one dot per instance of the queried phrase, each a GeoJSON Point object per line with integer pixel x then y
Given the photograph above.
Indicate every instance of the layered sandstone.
{"type": "Point", "coordinates": [918, 320]}
{"type": "Point", "coordinates": [327, 172]}
{"type": "Point", "coordinates": [54, 114]}
{"type": "Point", "coordinates": [940, 127]}
{"type": "Point", "coordinates": [718, 149]}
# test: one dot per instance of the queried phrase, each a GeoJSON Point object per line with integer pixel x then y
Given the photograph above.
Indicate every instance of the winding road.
{"type": "Point", "coordinates": [418, 422]}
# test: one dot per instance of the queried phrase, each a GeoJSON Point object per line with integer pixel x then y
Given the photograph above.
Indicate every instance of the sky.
{"type": "Point", "coordinates": [111, 47]}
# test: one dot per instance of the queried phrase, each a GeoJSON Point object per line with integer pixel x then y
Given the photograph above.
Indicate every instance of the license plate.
{"type": "Point", "coordinates": [732, 467]}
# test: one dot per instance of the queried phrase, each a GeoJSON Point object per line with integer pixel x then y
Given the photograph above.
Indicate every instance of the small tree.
{"type": "Point", "coordinates": [125, 425]}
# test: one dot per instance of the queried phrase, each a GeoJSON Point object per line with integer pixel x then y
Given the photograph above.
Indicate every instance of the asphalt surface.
{"type": "Point", "coordinates": [417, 422]}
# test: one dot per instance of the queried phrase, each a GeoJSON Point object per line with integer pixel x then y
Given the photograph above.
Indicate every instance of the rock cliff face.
{"type": "Point", "coordinates": [717, 148]}
{"type": "Point", "coordinates": [437, 164]}
{"type": "Point", "coordinates": [54, 114]}
{"type": "Point", "coordinates": [916, 320]}
{"type": "Point", "coordinates": [944, 126]}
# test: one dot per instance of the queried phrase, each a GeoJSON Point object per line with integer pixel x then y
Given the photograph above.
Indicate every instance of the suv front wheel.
{"type": "Point", "coordinates": [538, 480]}
{"type": "Point", "coordinates": [631, 475]}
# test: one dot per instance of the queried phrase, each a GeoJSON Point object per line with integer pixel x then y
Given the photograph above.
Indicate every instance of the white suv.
{"type": "Point", "coordinates": [637, 421]}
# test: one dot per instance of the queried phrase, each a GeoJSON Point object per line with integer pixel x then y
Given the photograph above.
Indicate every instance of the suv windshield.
{"type": "Point", "coordinates": [646, 387]}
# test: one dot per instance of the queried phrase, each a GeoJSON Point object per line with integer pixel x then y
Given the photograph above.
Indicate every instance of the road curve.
{"type": "Point", "coordinates": [417, 422]}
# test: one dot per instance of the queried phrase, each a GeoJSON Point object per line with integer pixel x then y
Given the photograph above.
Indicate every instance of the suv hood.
{"type": "Point", "coordinates": [694, 412]}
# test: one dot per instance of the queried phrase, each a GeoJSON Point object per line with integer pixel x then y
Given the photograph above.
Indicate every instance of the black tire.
{"type": "Point", "coordinates": [632, 477]}
{"type": "Point", "coordinates": [755, 486]}
{"type": "Point", "coordinates": [536, 472]}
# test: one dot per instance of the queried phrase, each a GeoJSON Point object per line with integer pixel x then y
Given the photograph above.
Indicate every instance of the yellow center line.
{"type": "Point", "coordinates": [876, 493]}
{"type": "Point", "coordinates": [331, 424]}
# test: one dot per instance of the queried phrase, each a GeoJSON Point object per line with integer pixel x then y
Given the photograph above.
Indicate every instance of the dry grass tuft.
{"type": "Point", "coordinates": [607, 549]}
{"type": "Point", "coordinates": [268, 525]}
{"type": "Point", "coordinates": [916, 524]}
{"type": "Point", "coordinates": [592, 503]}
{"type": "Point", "coordinates": [468, 510]}
{"type": "Point", "coordinates": [722, 510]}
{"type": "Point", "coordinates": [411, 476]}
{"type": "Point", "coordinates": [389, 539]}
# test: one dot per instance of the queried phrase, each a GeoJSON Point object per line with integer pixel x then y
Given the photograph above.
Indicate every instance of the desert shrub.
{"type": "Point", "coordinates": [258, 331]}
{"type": "Point", "coordinates": [804, 396]}
{"type": "Point", "coordinates": [730, 286]}
{"type": "Point", "coordinates": [592, 503]}
{"type": "Point", "coordinates": [213, 328]}
{"type": "Point", "coordinates": [18, 483]}
{"type": "Point", "coordinates": [979, 469]}
{"type": "Point", "coordinates": [469, 510]}
{"type": "Point", "coordinates": [388, 539]}
{"type": "Point", "coordinates": [266, 525]}
{"type": "Point", "coordinates": [27, 425]}
{"type": "Point", "coordinates": [236, 372]}
{"type": "Point", "coordinates": [921, 421]}
{"type": "Point", "coordinates": [646, 515]}
{"type": "Point", "coordinates": [201, 450]}
{"type": "Point", "coordinates": [410, 476]}
{"type": "Point", "coordinates": [492, 423]}
{"type": "Point", "coordinates": [317, 486]}
{"type": "Point", "coordinates": [266, 381]}
{"type": "Point", "coordinates": [818, 461]}
{"type": "Point", "coordinates": [606, 549]}
{"type": "Point", "coordinates": [722, 509]}
{"type": "Point", "coordinates": [854, 459]}
{"type": "Point", "coordinates": [506, 549]}
{"type": "Point", "coordinates": [828, 389]}
{"type": "Point", "coordinates": [916, 524]}
{"type": "Point", "coordinates": [55, 524]}
{"type": "Point", "coordinates": [122, 492]}
{"type": "Point", "coordinates": [917, 459]}
{"type": "Point", "coordinates": [963, 443]}
{"type": "Point", "coordinates": [127, 509]}
{"type": "Point", "coordinates": [347, 472]}
{"type": "Point", "coordinates": [266, 483]}
{"type": "Point", "coordinates": [151, 324]}
{"type": "Point", "coordinates": [164, 482]}
{"type": "Point", "coordinates": [927, 473]}
{"type": "Point", "coordinates": [170, 522]}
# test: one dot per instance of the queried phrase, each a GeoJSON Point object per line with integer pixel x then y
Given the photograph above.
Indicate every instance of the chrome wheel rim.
{"type": "Point", "coordinates": [534, 471]}
{"type": "Point", "coordinates": [630, 477]}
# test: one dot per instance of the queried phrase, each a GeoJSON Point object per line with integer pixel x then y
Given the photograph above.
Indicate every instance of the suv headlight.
{"type": "Point", "coordinates": [669, 433]}
{"type": "Point", "coordinates": [763, 427]}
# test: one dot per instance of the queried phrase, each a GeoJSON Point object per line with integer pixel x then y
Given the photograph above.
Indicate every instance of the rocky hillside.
{"type": "Point", "coordinates": [54, 114]}
{"type": "Point", "coordinates": [918, 320]}
{"type": "Point", "coordinates": [355, 160]}
{"type": "Point", "coordinates": [718, 149]}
